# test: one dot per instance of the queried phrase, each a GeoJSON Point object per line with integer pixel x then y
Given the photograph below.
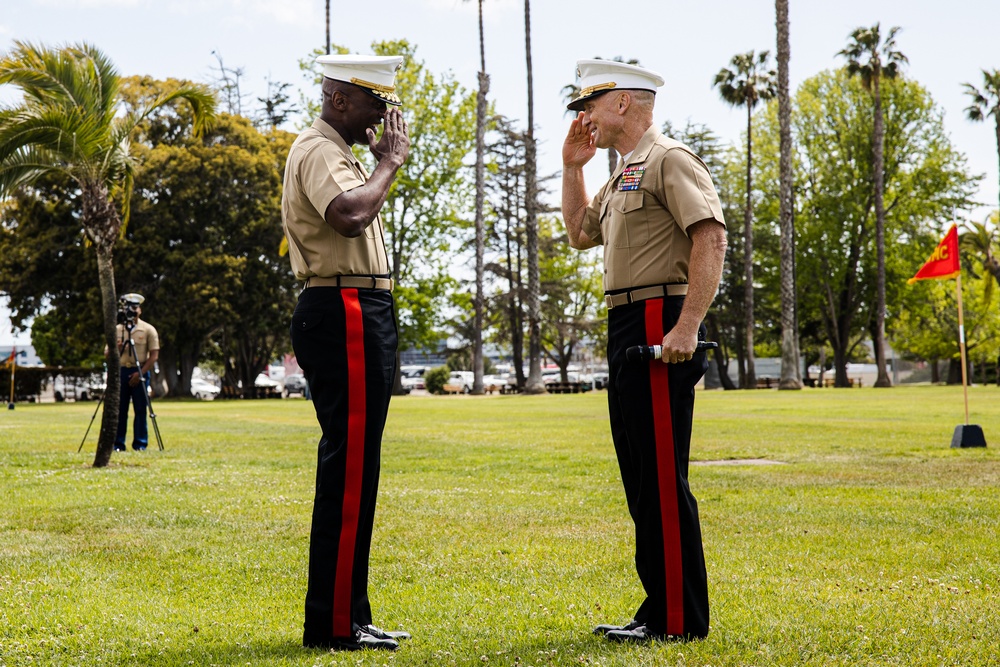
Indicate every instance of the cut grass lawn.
{"type": "Point", "coordinates": [502, 536]}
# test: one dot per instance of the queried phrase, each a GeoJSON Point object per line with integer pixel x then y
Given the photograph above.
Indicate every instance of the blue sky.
{"type": "Point", "coordinates": [687, 42]}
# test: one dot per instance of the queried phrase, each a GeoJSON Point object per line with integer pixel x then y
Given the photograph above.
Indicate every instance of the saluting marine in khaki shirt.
{"type": "Point", "coordinates": [320, 167]}
{"type": "Point", "coordinates": [642, 213]}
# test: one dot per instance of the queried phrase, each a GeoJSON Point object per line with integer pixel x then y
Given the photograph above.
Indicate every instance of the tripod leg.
{"type": "Point", "coordinates": [152, 415]}
{"type": "Point", "coordinates": [92, 417]}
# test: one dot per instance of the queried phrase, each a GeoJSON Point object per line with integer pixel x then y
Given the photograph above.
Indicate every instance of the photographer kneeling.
{"type": "Point", "coordinates": [146, 345]}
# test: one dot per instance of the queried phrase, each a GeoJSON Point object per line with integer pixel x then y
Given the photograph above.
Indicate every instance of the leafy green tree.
{"type": "Point", "coordinates": [573, 309]}
{"type": "Point", "coordinates": [745, 84]}
{"type": "Point", "coordinates": [47, 272]}
{"type": "Point", "coordinates": [874, 60]}
{"type": "Point", "coordinates": [790, 374]}
{"type": "Point", "coordinates": [926, 181]}
{"type": "Point", "coordinates": [926, 325]}
{"type": "Point", "coordinates": [505, 188]}
{"type": "Point", "coordinates": [203, 248]}
{"type": "Point", "coordinates": [68, 123]}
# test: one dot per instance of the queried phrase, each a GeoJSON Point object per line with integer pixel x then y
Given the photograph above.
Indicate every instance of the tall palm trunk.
{"type": "Point", "coordinates": [534, 385]}
{"type": "Point", "coordinates": [791, 377]}
{"type": "Point", "coordinates": [878, 166]}
{"type": "Point", "coordinates": [102, 225]}
{"type": "Point", "coordinates": [751, 376]}
{"type": "Point", "coordinates": [477, 326]}
{"type": "Point", "coordinates": [327, 27]}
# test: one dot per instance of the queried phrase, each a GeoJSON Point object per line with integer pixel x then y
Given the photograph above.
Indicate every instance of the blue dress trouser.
{"type": "Point", "coordinates": [137, 396]}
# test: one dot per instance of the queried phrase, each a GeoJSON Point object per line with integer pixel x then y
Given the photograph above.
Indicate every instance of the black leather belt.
{"type": "Point", "coordinates": [642, 293]}
{"type": "Point", "coordinates": [368, 282]}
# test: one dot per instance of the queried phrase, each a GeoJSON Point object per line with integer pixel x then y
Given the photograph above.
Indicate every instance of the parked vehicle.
{"type": "Point", "coordinates": [295, 384]}
{"type": "Point", "coordinates": [412, 377]}
{"type": "Point", "coordinates": [459, 382]}
{"type": "Point", "coordinates": [203, 389]}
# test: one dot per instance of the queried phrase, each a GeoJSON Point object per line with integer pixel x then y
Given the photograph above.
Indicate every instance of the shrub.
{"type": "Point", "coordinates": [435, 378]}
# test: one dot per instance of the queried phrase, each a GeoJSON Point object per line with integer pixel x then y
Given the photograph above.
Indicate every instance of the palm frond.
{"type": "Point", "coordinates": [25, 166]}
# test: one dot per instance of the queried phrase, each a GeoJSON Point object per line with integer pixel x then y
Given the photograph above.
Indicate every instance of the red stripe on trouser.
{"type": "Point", "coordinates": [666, 473]}
{"type": "Point", "coordinates": [356, 408]}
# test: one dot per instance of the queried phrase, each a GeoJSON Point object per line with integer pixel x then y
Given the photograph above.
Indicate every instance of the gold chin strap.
{"type": "Point", "coordinates": [374, 86]}
{"type": "Point", "coordinates": [590, 90]}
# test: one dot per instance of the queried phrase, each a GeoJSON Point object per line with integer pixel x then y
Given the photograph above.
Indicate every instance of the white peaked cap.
{"type": "Point", "coordinates": [376, 75]}
{"type": "Point", "coordinates": [597, 77]}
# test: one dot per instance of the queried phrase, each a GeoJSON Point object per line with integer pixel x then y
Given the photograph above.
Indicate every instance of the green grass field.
{"type": "Point", "coordinates": [502, 536]}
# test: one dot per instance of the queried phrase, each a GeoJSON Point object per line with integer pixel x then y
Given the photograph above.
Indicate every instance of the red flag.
{"type": "Point", "coordinates": [943, 263]}
{"type": "Point", "coordinates": [13, 353]}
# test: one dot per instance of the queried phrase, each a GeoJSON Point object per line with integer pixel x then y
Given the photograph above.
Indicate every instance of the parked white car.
{"type": "Point", "coordinates": [412, 377]}
{"type": "Point", "coordinates": [203, 389]}
{"type": "Point", "coordinates": [459, 382]}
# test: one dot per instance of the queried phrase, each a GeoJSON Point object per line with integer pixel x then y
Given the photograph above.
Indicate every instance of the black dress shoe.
{"type": "Point", "coordinates": [605, 629]}
{"type": "Point", "coordinates": [361, 641]}
{"type": "Point", "coordinates": [639, 635]}
{"type": "Point", "coordinates": [119, 448]}
{"type": "Point", "coordinates": [376, 631]}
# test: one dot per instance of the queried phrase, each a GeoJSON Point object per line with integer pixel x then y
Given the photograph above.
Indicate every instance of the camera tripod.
{"type": "Point", "coordinates": [129, 325]}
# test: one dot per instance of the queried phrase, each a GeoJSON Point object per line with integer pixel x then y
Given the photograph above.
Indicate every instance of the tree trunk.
{"type": "Point", "coordinates": [102, 226]}
{"type": "Point", "coordinates": [534, 385]}
{"type": "Point", "coordinates": [327, 27]}
{"type": "Point", "coordinates": [840, 368]}
{"type": "Point", "coordinates": [935, 374]}
{"type": "Point", "coordinates": [790, 373]}
{"type": "Point", "coordinates": [109, 311]}
{"type": "Point", "coordinates": [878, 167]}
{"type": "Point", "coordinates": [477, 343]}
{"type": "Point", "coordinates": [751, 376]}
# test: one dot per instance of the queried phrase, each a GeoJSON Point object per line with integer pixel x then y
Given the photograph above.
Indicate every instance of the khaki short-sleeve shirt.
{"type": "Point", "coordinates": [642, 213]}
{"type": "Point", "coordinates": [144, 337]}
{"type": "Point", "coordinates": [320, 167]}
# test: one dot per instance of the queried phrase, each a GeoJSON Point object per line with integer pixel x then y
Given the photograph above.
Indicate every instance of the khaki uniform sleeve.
{"type": "Point", "coordinates": [592, 219]}
{"type": "Point", "coordinates": [688, 189]}
{"type": "Point", "coordinates": [325, 173]}
{"type": "Point", "coordinates": [152, 339]}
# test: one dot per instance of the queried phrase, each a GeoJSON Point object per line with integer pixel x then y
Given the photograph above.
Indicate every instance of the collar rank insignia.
{"type": "Point", "coordinates": [631, 178]}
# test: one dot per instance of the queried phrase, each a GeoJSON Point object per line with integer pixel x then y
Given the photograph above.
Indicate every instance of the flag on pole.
{"type": "Point", "coordinates": [943, 263]}
{"type": "Point", "coordinates": [10, 357]}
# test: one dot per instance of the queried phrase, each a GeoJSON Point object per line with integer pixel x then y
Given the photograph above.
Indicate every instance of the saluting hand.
{"type": "Point", "coordinates": [579, 146]}
{"type": "Point", "coordinates": [395, 142]}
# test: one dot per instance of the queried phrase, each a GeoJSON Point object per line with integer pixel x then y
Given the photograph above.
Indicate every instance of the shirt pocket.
{"type": "Point", "coordinates": [627, 222]}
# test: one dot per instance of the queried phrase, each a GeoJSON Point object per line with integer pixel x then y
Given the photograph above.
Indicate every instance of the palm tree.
{"type": "Point", "coordinates": [981, 241]}
{"type": "Point", "coordinates": [477, 327]}
{"type": "Point", "coordinates": [71, 123]}
{"type": "Point", "coordinates": [791, 375]}
{"type": "Point", "coordinates": [534, 385]}
{"type": "Point", "coordinates": [873, 60]}
{"type": "Point", "coordinates": [747, 83]}
{"type": "Point", "coordinates": [986, 103]}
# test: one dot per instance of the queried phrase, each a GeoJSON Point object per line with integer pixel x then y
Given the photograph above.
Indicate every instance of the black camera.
{"type": "Point", "coordinates": [128, 309]}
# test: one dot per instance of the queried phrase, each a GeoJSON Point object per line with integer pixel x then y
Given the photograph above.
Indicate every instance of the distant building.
{"type": "Point", "coordinates": [25, 355]}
